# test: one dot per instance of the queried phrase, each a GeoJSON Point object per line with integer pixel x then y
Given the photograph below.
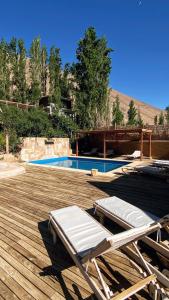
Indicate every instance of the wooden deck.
{"type": "Point", "coordinates": [30, 267]}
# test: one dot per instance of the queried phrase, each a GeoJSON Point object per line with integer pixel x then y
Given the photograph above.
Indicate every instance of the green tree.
{"type": "Point", "coordinates": [167, 115]}
{"type": "Point", "coordinates": [20, 76]}
{"type": "Point", "coordinates": [54, 76]}
{"type": "Point", "coordinates": [156, 120]}
{"type": "Point", "coordinates": [12, 52]}
{"type": "Point", "coordinates": [118, 116]}
{"type": "Point", "coordinates": [132, 114]}
{"type": "Point", "coordinates": [91, 74]}
{"type": "Point", "coordinates": [4, 71]}
{"type": "Point", "coordinates": [161, 119]}
{"type": "Point", "coordinates": [66, 82]}
{"type": "Point", "coordinates": [44, 58]}
{"type": "Point", "coordinates": [140, 122]}
{"type": "Point", "coordinates": [34, 122]}
{"type": "Point", "coordinates": [64, 125]}
{"type": "Point", "coordinates": [35, 70]}
{"type": "Point", "coordinates": [9, 117]}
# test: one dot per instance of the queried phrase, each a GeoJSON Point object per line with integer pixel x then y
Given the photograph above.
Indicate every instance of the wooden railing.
{"type": "Point", "coordinates": [17, 104]}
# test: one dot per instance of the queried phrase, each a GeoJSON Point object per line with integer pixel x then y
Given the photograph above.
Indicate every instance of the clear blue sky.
{"type": "Point", "coordinates": [138, 31]}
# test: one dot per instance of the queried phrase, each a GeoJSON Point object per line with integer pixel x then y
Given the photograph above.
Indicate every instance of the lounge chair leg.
{"type": "Point", "coordinates": [157, 293]}
{"type": "Point", "coordinates": [107, 291]}
{"type": "Point", "coordinates": [100, 216]}
{"type": "Point", "coordinates": [53, 232]}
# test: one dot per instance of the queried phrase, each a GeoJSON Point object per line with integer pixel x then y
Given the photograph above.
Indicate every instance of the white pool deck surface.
{"type": "Point", "coordinates": [10, 169]}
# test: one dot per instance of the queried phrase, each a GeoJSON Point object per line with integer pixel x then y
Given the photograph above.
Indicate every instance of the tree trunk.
{"type": "Point", "coordinates": [7, 143]}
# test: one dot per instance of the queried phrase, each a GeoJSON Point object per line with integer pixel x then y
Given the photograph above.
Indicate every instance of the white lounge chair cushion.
{"type": "Point", "coordinates": [152, 170]}
{"type": "Point", "coordinates": [161, 162]}
{"type": "Point", "coordinates": [127, 212]}
{"type": "Point", "coordinates": [135, 154]}
{"type": "Point", "coordinates": [82, 231]}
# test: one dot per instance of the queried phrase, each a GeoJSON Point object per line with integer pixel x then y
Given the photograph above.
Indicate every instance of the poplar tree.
{"type": "Point", "coordinates": [132, 114]}
{"type": "Point", "coordinates": [167, 115]}
{"type": "Point", "coordinates": [156, 120]}
{"type": "Point", "coordinates": [66, 81]}
{"type": "Point", "coordinates": [91, 74]}
{"type": "Point", "coordinates": [21, 82]}
{"type": "Point", "coordinates": [4, 71]}
{"type": "Point", "coordinates": [35, 70]}
{"type": "Point", "coordinates": [117, 116]}
{"type": "Point", "coordinates": [54, 76]}
{"type": "Point", "coordinates": [140, 122]}
{"type": "Point", "coordinates": [44, 58]}
{"type": "Point", "coordinates": [12, 51]}
{"type": "Point", "coordinates": [161, 119]}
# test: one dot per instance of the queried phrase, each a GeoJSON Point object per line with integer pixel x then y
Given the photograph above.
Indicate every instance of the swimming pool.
{"type": "Point", "coordinates": [102, 165]}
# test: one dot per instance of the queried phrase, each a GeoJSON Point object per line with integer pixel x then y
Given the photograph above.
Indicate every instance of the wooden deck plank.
{"type": "Point", "coordinates": [30, 267]}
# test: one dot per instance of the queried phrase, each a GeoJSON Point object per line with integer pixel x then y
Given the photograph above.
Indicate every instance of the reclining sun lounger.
{"type": "Point", "coordinates": [153, 171]}
{"type": "Point", "coordinates": [86, 239]}
{"type": "Point", "coordinates": [92, 152]}
{"type": "Point", "coordinates": [130, 216]}
{"type": "Point", "coordinates": [134, 155]}
{"type": "Point", "coordinates": [161, 163]}
{"type": "Point", "coordinates": [109, 152]}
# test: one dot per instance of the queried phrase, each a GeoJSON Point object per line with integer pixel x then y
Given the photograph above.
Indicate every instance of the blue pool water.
{"type": "Point", "coordinates": [81, 163]}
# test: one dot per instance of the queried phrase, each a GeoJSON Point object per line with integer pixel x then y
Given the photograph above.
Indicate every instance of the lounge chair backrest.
{"type": "Point", "coordinates": [94, 149]}
{"type": "Point", "coordinates": [136, 153]}
{"type": "Point", "coordinates": [121, 239]}
{"type": "Point", "coordinates": [162, 162]}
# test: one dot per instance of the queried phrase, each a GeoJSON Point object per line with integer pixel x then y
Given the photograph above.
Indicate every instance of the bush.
{"type": "Point", "coordinates": [64, 124]}
{"type": "Point", "coordinates": [35, 122]}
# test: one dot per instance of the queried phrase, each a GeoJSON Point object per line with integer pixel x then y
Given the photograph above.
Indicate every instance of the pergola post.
{"type": "Point", "coordinates": [141, 145]}
{"type": "Point", "coordinates": [150, 144]}
{"type": "Point", "coordinates": [77, 145]}
{"type": "Point", "coordinates": [104, 146]}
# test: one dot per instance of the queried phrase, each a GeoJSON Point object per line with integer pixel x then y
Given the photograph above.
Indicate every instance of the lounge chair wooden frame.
{"type": "Point", "coordinates": [156, 245]}
{"type": "Point", "coordinates": [105, 246]}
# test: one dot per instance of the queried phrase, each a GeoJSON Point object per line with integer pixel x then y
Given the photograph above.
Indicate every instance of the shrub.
{"type": "Point", "coordinates": [64, 124]}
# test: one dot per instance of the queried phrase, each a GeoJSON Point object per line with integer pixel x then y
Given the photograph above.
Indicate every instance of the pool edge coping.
{"type": "Point", "coordinates": [108, 174]}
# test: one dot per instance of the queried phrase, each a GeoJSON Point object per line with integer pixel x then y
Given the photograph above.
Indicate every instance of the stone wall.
{"type": "Point", "coordinates": [38, 148]}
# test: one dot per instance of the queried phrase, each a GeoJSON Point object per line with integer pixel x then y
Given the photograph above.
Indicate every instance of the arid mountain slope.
{"type": "Point", "coordinates": [147, 111]}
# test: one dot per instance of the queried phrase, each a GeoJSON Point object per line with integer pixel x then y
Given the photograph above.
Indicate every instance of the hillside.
{"type": "Point", "coordinates": [147, 111]}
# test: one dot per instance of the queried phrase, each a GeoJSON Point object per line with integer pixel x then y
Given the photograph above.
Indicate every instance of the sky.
{"type": "Point", "coordinates": [137, 31]}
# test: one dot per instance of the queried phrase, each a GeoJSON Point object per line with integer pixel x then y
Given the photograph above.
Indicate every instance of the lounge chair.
{"type": "Point", "coordinates": [134, 155]}
{"type": "Point", "coordinates": [109, 152]}
{"type": "Point", "coordinates": [161, 163]}
{"type": "Point", "coordinates": [130, 216]}
{"type": "Point", "coordinates": [160, 172]}
{"type": "Point", "coordinates": [92, 152]}
{"type": "Point", "coordinates": [85, 239]}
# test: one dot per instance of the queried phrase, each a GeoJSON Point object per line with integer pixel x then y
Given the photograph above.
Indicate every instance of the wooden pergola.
{"type": "Point", "coordinates": [110, 136]}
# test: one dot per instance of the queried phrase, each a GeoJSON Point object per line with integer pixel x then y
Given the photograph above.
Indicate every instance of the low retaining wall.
{"type": "Point", "coordinates": [38, 148]}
